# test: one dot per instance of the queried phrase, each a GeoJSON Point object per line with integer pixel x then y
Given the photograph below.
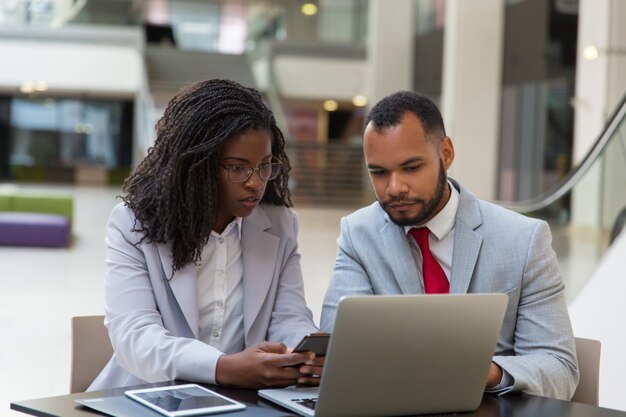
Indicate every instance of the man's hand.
{"type": "Point", "coordinates": [261, 366]}
{"type": "Point", "coordinates": [312, 370]}
{"type": "Point", "coordinates": [494, 376]}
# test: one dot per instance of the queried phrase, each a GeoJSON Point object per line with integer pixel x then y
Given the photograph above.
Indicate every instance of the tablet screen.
{"type": "Point", "coordinates": [184, 400]}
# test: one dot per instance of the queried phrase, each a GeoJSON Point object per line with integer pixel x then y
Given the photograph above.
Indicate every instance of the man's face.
{"type": "Point", "coordinates": [408, 170]}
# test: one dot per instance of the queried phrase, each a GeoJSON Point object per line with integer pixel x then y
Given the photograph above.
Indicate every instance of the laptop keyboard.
{"type": "Point", "coordinates": [307, 402]}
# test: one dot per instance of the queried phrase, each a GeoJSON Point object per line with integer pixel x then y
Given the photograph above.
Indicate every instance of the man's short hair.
{"type": "Point", "coordinates": [389, 111]}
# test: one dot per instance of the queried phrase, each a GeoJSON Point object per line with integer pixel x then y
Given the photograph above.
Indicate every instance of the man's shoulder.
{"type": "Point", "coordinates": [366, 214]}
{"type": "Point", "coordinates": [366, 220]}
{"type": "Point", "coordinates": [495, 212]}
{"type": "Point", "coordinates": [497, 220]}
{"type": "Point", "coordinates": [490, 212]}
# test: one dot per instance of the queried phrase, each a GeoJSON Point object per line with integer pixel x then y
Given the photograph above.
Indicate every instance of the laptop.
{"type": "Point", "coordinates": [403, 355]}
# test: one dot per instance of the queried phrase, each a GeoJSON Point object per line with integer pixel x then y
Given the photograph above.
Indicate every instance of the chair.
{"type": "Point", "coordinates": [588, 352]}
{"type": "Point", "coordinates": [91, 350]}
{"type": "Point", "coordinates": [619, 224]}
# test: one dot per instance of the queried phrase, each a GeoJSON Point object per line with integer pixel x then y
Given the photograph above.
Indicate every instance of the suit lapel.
{"type": "Point", "coordinates": [259, 252]}
{"type": "Point", "coordinates": [467, 241]}
{"type": "Point", "coordinates": [395, 245]}
{"type": "Point", "coordinates": [183, 285]}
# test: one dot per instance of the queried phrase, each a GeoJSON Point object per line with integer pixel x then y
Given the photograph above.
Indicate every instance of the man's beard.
{"type": "Point", "coordinates": [428, 207]}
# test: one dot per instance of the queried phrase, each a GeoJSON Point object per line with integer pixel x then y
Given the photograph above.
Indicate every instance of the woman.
{"type": "Point", "coordinates": [203, 276]}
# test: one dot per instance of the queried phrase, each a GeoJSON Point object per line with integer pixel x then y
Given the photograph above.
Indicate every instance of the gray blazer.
{"type": "Point", "coordinates": [150, 338]}
{"type": "Point", "coordinates": [495, 250]}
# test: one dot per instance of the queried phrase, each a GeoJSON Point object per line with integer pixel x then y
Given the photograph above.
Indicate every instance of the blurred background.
{"type": "Point", "coordinates": [532, 94]}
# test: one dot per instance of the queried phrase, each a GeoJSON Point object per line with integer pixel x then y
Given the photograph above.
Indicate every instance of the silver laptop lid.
{"type": "Point", "coordinates": [410, 354]}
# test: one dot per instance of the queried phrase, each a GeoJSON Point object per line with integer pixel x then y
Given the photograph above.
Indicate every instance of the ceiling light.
{"type": "Point", "coordinates": [591, 52]}
{"type": "Point", "coordinates": [359, 101]}
{"type": "Point", "coordinates": [41, 86]}
{"type": "Point", "coordinates": [84, 128]}
{"type": "Point", "coordinates": [27, 87]}
{"type": "Point", "coordinates": [330, 105]}
{"type": "Point", "coordinates": [309, 9]}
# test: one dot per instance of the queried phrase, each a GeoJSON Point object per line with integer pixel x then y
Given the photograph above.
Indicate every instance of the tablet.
{"type": "Point", "coordinates": [184, 400]}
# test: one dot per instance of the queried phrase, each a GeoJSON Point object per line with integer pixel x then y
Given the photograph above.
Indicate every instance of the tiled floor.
{"type": "Point", "coordinates": [41, 289]}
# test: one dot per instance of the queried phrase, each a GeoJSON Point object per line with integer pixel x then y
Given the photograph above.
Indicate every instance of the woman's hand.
{"type": "Point", "coordinates": [312, 370]}
{"type": "Point", "coordinates": [262, 366]}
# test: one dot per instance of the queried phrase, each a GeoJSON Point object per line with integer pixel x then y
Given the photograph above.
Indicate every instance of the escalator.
{"type": "Point", "coordinates": [607, 159]}
{"type": "Point", "coordinates": [166, 76]}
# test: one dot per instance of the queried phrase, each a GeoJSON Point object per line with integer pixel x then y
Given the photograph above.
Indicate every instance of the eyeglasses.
{"type": "Point", "coordinates": [240, 173]}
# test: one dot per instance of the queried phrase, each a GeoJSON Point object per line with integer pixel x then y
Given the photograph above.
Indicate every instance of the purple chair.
{"type": "Point", "coordinates": [34, 229]}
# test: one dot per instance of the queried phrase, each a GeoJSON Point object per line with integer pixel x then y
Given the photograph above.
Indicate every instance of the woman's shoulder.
{"type": "Point", "coordinates": [273, 211]}
{"type": "Point", "coordinates": [277, 216]}
{"type": "Point", "coordinates": [122, 217]}
{"type": "Point", "coordinates": [121, 212]}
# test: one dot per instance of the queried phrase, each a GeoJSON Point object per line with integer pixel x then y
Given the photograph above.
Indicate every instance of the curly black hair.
{"type": "Point", "coordinates": [388, 112]}
{"type": "Point", "coordinates": [174, 190]}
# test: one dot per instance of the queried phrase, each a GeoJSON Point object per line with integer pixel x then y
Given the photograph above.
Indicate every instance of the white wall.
{"type": "Point", "coordinates": [390, 49]}
{"type": "Point", "coordinates": [471, 90]}
{"type": "Point", "coordinates": [598, 313]}
{"type": "Point", "coordinates": [72, 61]}
{"type": "Point", "coordinates": [320, 78]}
{"type": "Point", "coordinates": [100, 69]}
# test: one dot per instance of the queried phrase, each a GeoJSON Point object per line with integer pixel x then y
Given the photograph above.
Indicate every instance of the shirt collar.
{"type": "Point", "coordinates": [232, 227]}
{"type": "Point", "coordinates": [443, 222]}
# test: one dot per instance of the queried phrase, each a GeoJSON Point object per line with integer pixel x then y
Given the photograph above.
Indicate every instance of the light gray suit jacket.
{"type": "Point", "coordinates": [495, 250]}
{"type": "Point", "coordinates": [146, 328]}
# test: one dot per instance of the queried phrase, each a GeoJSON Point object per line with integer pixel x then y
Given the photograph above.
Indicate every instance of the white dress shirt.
{"type": "Point", "coordinates": [220, 290]}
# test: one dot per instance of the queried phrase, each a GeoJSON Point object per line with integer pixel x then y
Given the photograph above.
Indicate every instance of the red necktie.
{"type": "Point", "coordinates": [435, 281]}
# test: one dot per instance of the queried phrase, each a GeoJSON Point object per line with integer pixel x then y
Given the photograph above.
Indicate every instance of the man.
{"type": "Point", "coordinates": [469, 246]}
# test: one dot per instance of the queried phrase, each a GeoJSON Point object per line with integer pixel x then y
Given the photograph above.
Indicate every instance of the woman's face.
{"type": "Point", "coordinates": [247, 151]}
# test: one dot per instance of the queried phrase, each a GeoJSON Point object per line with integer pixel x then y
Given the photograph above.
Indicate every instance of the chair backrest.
{"type": "Point", "coordinates": [91, 350]}
{"type": "Point", "coordinates": [588, 352]}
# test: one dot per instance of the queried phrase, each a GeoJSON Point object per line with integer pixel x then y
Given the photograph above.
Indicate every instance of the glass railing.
{"type": "Point", "coordinates": [227, 27]}
{"type": "Point", "coordinates": [50, 13]}
{"type": "Point", "coordinates": [326, 22]}
{"type": "Point", "coordinates": [603, 169]}
{"type": "Point", "coordinates": [327, 174]}
{"type": "Point", "coordinates": [205, 25]}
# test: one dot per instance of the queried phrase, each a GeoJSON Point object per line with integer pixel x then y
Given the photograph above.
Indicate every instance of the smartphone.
{"type": "Point", "coordinates": [184, 400]}
{"type": "Point", "coordinates": [313, 342]}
